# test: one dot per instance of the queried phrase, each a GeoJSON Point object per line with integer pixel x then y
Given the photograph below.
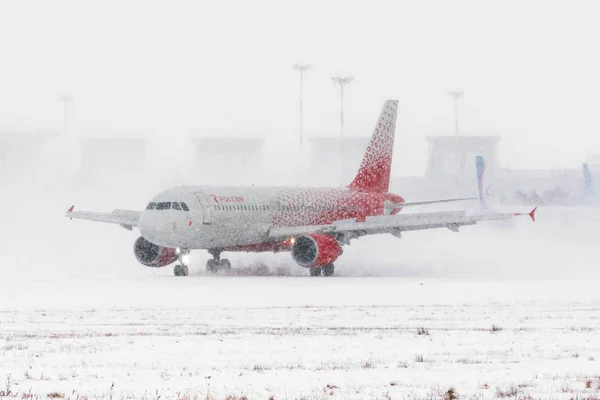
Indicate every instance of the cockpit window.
{"type": "Point", "coordinates": [163, 206]}
{"type": "Point", "coordinates": [184, 206]}
{"type": "Point", "coordinates": [151, 206]}
{"type": "Point", "coordinates": [176, 206]}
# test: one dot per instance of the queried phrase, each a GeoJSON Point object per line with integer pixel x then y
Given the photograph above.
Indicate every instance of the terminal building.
{"type": "Point", "coordinates": [451, 172]}
{"type": "Point", "coordinates": [20, 154]}
{"type": "Point", "coordinates": [112, 157]}
{"type": "Point", "coordinates": [235, 160]}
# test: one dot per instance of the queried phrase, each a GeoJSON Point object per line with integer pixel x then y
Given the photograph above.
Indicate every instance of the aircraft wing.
{"type": "Point", "coordinates": [126, 218]}
{"type": "Point", "coordinates": [394, 224]}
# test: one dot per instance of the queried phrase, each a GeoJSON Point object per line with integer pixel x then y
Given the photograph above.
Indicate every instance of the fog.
{"type": "Point", "coordinates": [169, 71]}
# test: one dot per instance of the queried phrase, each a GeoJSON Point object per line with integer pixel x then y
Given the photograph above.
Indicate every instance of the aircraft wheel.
{"type": "Point", "coordinates": [315, 271]}
{"type": "Point", "coordinates": [180, 270]}
{"type": "Point", "coordinates": [212, 266]}
{"type": "Point", "coordinates": [226, 265]}
{"type": "Point", "coordinates": [328, 270]}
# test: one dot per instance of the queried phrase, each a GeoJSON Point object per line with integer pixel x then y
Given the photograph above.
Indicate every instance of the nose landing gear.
{"type": "Point", "coordinates": [181, 269]}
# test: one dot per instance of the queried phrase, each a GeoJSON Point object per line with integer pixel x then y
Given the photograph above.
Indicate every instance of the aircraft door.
{"type": "Point", "coordinates": [206, 208]}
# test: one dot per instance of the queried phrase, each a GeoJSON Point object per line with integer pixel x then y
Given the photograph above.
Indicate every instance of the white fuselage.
{"type": "Point", "coordinates": [226, 217]}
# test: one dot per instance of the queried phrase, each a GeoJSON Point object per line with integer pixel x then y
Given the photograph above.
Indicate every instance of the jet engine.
{"type": "Point", "coordinates": [152, 255]}
{"type": "Point", "coordinates": [315, 250]}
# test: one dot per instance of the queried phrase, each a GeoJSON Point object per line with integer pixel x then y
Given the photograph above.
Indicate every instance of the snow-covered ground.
{"type": "Point", "coordinates": [504, 311]}
{"type": "Point", "coordinates": [299, 337]}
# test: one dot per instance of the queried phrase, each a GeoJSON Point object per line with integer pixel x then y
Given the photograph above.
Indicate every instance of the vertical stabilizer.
{"type": "Point", "coordinates": [480, 166]}
{"type": "Point", "coordinates": [587, 181]}
{"type": "Point", "coordinates": [484, 189]}
{"type": "Point", "coordinates": [374, 172]}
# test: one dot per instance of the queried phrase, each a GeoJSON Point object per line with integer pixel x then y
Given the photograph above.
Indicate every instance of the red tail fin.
{"type": "Point", "coordinates": [374, 172]}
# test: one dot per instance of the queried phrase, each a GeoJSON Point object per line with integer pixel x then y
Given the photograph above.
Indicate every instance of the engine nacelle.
{"type": "Point", "coordinates": [315, 250]}
{"type": "Point", "coordinates": [151, 255]}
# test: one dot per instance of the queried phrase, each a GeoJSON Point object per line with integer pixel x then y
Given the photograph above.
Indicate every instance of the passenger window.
{"type": "Point", "coordinates": [163, 206]}
{"type": "Point", "coordinates": [184, 206]}
{"type": "Point", "coordinates": [151, 206]}
{"type": "Point", "coordinates": [176, 206]}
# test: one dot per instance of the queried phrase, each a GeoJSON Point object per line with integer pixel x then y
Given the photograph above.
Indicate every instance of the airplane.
{"type": "Point", "coordinates": [312, 223]}
{"type": "Point", "coordinates": [588, 184]}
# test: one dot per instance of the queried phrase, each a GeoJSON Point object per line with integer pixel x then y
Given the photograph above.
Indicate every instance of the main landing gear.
{"type": "Point", "coordinates": [181, 269]}
{"type": "Point", "coordinates": [216, 263]}
{"type": "Point", "coordinates": [327, 270]}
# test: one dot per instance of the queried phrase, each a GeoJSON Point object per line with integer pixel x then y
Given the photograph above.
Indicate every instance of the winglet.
{"type": "Point", "coordinates": [531, 214]}
{"type": "Point", "coordinates": [71, 208]}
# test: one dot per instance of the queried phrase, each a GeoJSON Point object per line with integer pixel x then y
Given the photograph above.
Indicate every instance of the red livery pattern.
{"type": "Point", "coordinates": [329, 250]}
{"type": "Point", "coordinates": [319, 206]}
{"type": "Point", "coordinates": [374, 172]}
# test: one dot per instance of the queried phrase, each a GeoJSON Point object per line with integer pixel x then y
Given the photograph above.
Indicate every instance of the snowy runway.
{"type": "Point", "coordinates": [299, 338]}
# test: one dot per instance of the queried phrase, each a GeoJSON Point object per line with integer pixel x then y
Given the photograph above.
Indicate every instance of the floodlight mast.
{"type": "Point", "coordinates": [342, 81]}
{"type": "Point", "coordinates": [66, 99]}
{"type": "Point", "coordinates": [301, 68]}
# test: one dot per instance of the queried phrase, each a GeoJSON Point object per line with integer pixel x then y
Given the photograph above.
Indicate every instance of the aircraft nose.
{"type": "Point", "coordinates": [147, 229]}
{"type": "Point", "coordinates": [162, 232]}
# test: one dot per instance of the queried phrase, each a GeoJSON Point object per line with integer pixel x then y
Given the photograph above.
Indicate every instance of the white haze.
{"type": "Point", "coordinates": [38, 241]}
{"type": "Point", "coordinates": [148, 68]}
{"type": "Point", "coordinates": [165, 71]}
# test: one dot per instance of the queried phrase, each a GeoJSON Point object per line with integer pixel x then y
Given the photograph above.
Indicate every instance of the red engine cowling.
{"type": "Point", "coordinates": [315, 250]}
{"type": "Point", "coordinates": [151, 255]}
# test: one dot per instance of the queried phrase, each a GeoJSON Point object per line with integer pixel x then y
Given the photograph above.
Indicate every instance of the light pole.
{"type": "Point", "coordinates": [301, 68]}
{"type": "Point", "coordinates": [342, 81]}
{"type": "Point", "coordinates": [456, 94]}
{"type": "Point", "coordinates": [66, 98]}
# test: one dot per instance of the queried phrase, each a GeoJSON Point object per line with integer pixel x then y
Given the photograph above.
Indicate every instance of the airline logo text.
{"type": "Point", "coordinates": [227, 199]}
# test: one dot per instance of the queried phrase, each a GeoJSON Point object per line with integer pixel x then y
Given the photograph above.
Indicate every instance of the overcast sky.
{"type": "Point", "coordinates": [529, 70]}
